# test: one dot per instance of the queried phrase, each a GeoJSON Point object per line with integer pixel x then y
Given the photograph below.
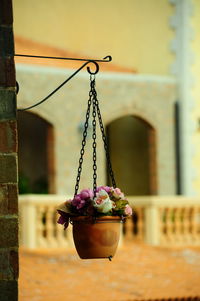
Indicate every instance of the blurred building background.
{"type": "Point", "coordinates": [149, 94]}
{"type": "Point", "coordinates": [149, 98]}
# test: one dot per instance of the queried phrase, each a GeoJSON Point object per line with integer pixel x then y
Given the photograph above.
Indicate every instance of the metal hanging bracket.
{"type": "Point", "coordinates": [106, 59]}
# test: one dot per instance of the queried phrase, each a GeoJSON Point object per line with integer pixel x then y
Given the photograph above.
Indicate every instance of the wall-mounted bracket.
{"type": "Point", "coordinates": [87, 61]}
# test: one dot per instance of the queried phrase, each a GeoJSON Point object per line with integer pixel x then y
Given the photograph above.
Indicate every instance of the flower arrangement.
{"type": "Point", "coordinates": [105, 201]}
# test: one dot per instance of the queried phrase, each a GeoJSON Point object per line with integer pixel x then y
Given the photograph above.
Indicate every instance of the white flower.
{"type": "Point", "coordinates": [102, 202]}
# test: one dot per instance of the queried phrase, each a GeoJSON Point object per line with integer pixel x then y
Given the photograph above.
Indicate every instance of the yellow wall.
{"type": "Point", "coordinates": [135, 32]}
{"type": "Point", "coordinates": [196, 91]}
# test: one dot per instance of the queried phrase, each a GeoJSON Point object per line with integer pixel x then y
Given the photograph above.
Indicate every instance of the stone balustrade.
{"type": "Point", "coordinates": [165, 220]}
{"type": "Point", "coordinates": [157, 220]}
{"type": "Point", "coordinates": [38, 222]}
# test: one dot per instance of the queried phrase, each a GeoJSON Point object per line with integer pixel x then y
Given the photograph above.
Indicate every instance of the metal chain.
{"type": "Point", "coordinates": [95, 111]}
{"type": "Point", "coordinates": [105, 145]}
{"type": "Point", "coordinates": [94, 144]}
{"type": "Point", "coordinates": [104, 137]}
{"type": "Point", "coordinates": [83, 142]}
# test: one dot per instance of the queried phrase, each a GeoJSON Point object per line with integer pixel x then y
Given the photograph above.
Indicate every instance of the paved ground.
{"type": "Point", "coordinates": [136, 272]}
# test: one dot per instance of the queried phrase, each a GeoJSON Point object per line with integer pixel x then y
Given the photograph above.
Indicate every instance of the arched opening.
{"type": "Point", "coordinates": [36, 154]}
{"type": "Point", "coordinates": [133, 155]}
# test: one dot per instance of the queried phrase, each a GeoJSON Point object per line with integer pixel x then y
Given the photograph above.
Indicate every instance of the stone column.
{"type": "Point", "coordinates": [152, 226]}
{"type": "Point", "coordinates": [8, 159]}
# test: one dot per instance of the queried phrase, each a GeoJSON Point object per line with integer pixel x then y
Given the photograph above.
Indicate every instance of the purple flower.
{"type": "Point", "coordinates": [63, 219]}
{"type": "Point", "coordinates": [78, 202]}
{"type": "Point", "coordinates": [106, 188]}
{"type": "Point", "coordinates": [86, 194]}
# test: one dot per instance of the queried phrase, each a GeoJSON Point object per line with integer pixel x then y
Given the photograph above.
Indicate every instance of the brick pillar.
{"type": "Point", "coordinates": [8, 160]}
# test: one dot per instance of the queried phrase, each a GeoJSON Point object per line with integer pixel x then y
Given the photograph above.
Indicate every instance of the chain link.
{"type": "Point", "coordinates": [95, 111]}
{"type": "Point", "coordinates": [94, 145]}
{"type": "Point", "coordinates": [105, 145]}
{"type": "Point", "coordinates": [83, 143]}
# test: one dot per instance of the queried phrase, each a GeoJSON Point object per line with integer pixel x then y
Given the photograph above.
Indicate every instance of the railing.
{"type": "Point", "coordinates": [166, 220]}
{"type": "Point", "coordinates": [157, 220]}
{"type": "Point", "coordinates": [38, 222]}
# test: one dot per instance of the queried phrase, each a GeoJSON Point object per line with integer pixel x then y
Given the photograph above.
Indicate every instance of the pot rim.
{"type": "Point", "coordinates": [95, 220]}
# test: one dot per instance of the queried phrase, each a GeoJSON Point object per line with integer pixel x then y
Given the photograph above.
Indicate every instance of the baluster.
{"type": "Point", "coordinates": [129, 229]}
{"type": "Point", "coordinates": [185, 224]}
{"type": "Point", "coordinates": [169, 226]}
{"type": "Point", "coordinates": [28, 225]}
{"type": "Point", "coordinates": [190, 212]}
{"type": "Point", "coordinates": [165, 220]}
{"type": "Point", "coordinates": [162, 226]}
{"type": "Point", "coordinates": [41, 226]}
{"type": "Point", "coordinates": [140, 224]}
{"type": "Point", "coordinates": [134, 224]}
{"type": "Point", "coordinates": [173, 227]}
{"type": "Point", "coordinates": [177, 225]}
{"type": "Point", "coordinates": [60, 234]}
{"type": "Point", "coordinates": [50, 228]}
{"type": "Point", "coordinates": [195, 225]}
{"type": "Point", "coordinates": [69, 236]}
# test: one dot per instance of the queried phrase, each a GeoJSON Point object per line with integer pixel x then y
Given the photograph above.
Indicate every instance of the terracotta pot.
{"type": "Point", "coordinates": [96, 238]}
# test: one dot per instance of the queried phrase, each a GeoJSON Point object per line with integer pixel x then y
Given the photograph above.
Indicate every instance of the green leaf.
{"type": "Point", "coordinates": [120, 204]}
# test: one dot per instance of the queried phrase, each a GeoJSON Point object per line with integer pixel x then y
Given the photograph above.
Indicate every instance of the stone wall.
{"type": "Point", "coordinates": [150, 98]}
{"type": "Point", "coordinates": [8, 160]}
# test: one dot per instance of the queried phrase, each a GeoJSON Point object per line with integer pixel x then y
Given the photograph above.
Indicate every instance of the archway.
{"type": "Point", "coordinates": [36, 154]}
{"type": "Point", "coordinates": [132, 146]}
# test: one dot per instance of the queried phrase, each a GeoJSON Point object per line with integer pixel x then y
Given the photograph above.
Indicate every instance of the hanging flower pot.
{"type": "Point", "coordinates": [95, 213]}
{"type": "Point", "coordinates": [96, 238]}
{"type": "Point", "coordinates": [96, 219]}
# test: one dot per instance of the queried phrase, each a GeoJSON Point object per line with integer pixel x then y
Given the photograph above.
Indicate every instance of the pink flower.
{"type": "Point", "coordinates": [99, 201]}
{"type": "Point", "coordinates": [117, 193]}
{"type": "Point", "coordinates": [86, 194]}
{"type": "Point", "coordinates": [128, 210]}
{"type": "Point", "coordinates": [106, 188]}
{"type": "Point", "coordinates": [78, 202]}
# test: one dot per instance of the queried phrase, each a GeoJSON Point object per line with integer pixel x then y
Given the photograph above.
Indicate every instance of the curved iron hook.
{"type": "Point", "coordinates": [108, 58]}
{"type": "Point", "coordinates": [62, 84]}
{"type": "Point", "coordinates": [97, 68]}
